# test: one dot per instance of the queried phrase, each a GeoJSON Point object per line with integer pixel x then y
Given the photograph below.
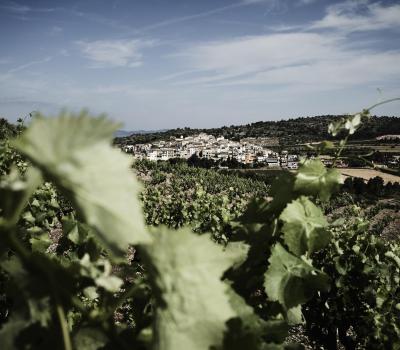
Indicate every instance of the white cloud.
{"type": "Point", "coordinates": [114, 53]}
{"type": "Point", "coordinates": [176, 20]}
{"type": "Point", "coordinates": [55, 30]}
{"type": "Point", "coordinates": [16, 8]}
{"type": "Point", "coordinates": [249, 55]}
{"type": "Point", "coordinates": [29, 64]}
{"type": "Point", "coordinates": [255, 1]}
{"type": "Point", "coordinates": [270, 5]}
{"type": "Point", "coordinates": [338, 73]}
{"type": "Point", "coordinates": [304, 61]}
{"type": "Point", "coordinates": [307, 2]}
{"type": "Point", "coordinates": [24, 66]}
{"type": "Point", "coordinates": [278, 3]}
{"type": "Point", "coordinates": [122, 89]}
{"type": "Point", "coordinates": [360, 16]}
{"type": "Point", "coordinates": [300, 57]}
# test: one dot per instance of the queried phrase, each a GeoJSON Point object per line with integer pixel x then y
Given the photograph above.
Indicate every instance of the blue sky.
{"type": "Point", "coordinates": [156, 64]}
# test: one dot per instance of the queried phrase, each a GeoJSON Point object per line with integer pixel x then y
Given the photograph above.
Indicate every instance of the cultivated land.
{"type": "Point", "coordinates": [367, 174]}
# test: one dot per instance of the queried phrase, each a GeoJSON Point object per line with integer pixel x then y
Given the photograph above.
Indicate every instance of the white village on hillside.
{"type": "Point", "coordinates": [246, 151]}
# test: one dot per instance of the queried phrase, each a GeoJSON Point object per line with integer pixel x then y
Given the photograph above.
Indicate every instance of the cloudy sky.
{"type": "Point", "coordinates": [156, 64]}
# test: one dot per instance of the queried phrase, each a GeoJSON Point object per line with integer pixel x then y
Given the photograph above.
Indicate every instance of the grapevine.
{"type": "Point", "coordinates": [92, 275]}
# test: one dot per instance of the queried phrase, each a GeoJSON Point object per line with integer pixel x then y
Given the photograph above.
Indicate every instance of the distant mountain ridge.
{"type": "Point", "coordinates": [291, 131]}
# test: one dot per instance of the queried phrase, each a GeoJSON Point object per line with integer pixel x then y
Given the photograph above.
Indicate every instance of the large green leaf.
{"type": "Point", "coordinates": [313, 178]}
{"type": "Point", "coordinates": [282, 190]}
{"type": "Point", "coordinates": [304, 227]}
{"type": "Point", "coordinates": [75, 153]}
{"type": "Point", "coordinates": [291, 280]}
{"type": "Point", "coordinates": [193, 306]}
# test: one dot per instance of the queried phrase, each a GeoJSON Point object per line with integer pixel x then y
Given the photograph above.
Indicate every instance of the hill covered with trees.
{"type": "Point", "coordinates": [291, 131]}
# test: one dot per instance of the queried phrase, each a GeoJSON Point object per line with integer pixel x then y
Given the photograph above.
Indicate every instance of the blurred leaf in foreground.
{"type": "Point", "coordinates": [193, 305]}
{"type": "Point", "coordinates": [75, 153]}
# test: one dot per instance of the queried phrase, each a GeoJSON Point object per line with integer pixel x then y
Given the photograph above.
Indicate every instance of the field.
{"type": "Point", "coordinates": [364, 173]}
{"type": "Point", "coordinates": [367, 174]}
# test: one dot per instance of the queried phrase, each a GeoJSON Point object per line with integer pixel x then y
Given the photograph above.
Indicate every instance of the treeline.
{"type": "Point", "coordinates": [373, 187]}
{"type": "Point", "coordinates": [291, 131]}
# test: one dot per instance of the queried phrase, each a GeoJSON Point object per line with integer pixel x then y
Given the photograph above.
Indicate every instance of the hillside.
{"type": "Point", "coordinates": [291, 131]}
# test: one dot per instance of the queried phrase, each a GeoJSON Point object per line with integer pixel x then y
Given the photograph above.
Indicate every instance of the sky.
{"type": "Point", "coordinates": [157, 64]}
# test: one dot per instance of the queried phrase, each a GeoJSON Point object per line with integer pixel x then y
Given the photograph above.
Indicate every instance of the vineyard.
{"type": "Point", "coordinates": [95, 254]}
{"type": "Point", "coordinates": [203, 199]}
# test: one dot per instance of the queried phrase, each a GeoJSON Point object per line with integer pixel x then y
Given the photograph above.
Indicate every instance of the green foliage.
{"type": "Point", "coordinates": [314, 179]}
{"type": "Point", "coordinates": [177, 195]}
{"type": "Point", "coordinates": [193, 306]}
{"type": "Point", "coordinates": [291, 280]}
{"type": "Point", "coordinates": [8, 156]}
{"type": "Point", "coordinates": [304, 227]}
{"type": "Point", "coordinates": [73, 152]}
{"type": "Point", "coordinates": [71, 278]}
{"type": "Point", "coordinates": [361, 306]}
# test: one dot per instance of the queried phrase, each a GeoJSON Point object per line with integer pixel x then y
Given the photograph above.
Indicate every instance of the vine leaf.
{"type": "Point", "coordinates": [101, 273]}
{"type": "Point", "coordinates": [304, 227]}
{"type": "Point", "coordinates": [290, 280]}
{"type": "Point", "coordinates": [282, 190]}
{"type": "Point", "coordinates": [185, 270]}
{"type": "Point", "coordinates": [336, 127]}
{"type": "Point", "coordinates": [353, 123]}
{"type": "Point", "coordinates": [313, 178]}
{"type": "Point", "coordinates": [75, 153]}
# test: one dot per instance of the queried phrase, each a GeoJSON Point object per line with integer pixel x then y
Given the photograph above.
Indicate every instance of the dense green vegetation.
{"type": "Point", "coordinates": [177, 195]}
{"type": "Point", "coordinates": [365, 217]}
{"type": "Point", "coordinates": [288, 132]}
{"type": "Point", "coordinates": [361, 307]}
{"type": "Point", "coordinates": [81, 270]}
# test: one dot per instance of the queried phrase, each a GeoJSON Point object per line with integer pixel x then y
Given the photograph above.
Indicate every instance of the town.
{"type": "Point", "coordinates": [245, 151]}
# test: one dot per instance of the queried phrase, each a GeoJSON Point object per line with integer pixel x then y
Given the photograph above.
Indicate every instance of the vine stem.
{"type": "Point", "coordinates": [365, 111]}
{"type": "Point", "coordinates": [340, 151]}
{"type": "Point", "coordinates": [383, 102]}
{"type": "Point", "coordinates": [63, 325]}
